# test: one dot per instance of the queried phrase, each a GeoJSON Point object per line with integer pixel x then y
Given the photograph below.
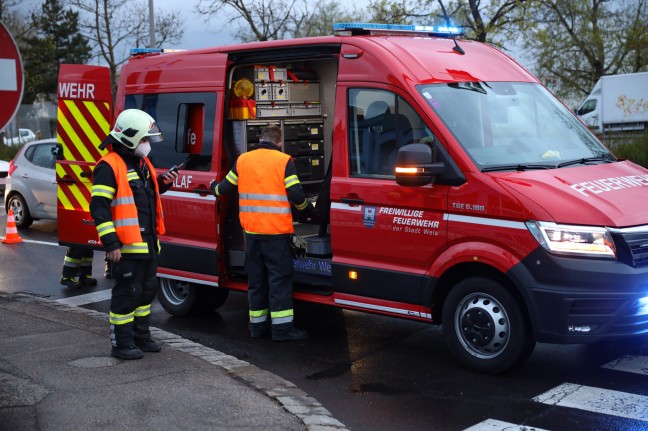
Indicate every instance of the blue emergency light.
{"type": "Point", "coordinates": [138, 51]}
{"type": "Point", "coordinates": [642, 306]}
{"type": "Point", "coordinates": [356, 28]}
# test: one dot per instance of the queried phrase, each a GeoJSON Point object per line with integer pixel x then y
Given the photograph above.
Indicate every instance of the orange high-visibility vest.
{"type": "Point", "coordinates": [263, 203]}
{"type": "Point", "coordinates": [123, 209]}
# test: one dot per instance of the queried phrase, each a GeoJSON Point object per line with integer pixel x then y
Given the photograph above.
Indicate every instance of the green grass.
{"type": "Point", "coordinates": [635, 149]}
{"type": "Point", "coordinates": [7, 152]}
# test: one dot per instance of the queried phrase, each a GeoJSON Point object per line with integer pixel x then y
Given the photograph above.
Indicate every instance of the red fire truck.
{"type": "Point", "coordinates": [452, 187]}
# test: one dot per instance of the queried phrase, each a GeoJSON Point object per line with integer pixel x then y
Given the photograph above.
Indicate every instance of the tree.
{"type": "Point", "coordinates": [578, 41]}
{"type": "Point", "coordinates": [277, 19]}
{"type": "Point", "coordinates": [15, 22]}
{"type": "Point", "coordinates": [495, 21]}
{"type": "Point", "coordinates": [318, 20]}
{"type": "Point", "coordinates": [115, 26]}
{"type": "Point", "coordinates": [397, 12]}
{"type": "Point", "coordinates": [261, 20]}
{"type": "Point", "coordinates": [57, 40]}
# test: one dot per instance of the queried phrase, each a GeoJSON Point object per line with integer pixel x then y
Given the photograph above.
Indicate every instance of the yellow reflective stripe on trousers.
{"type": "Point", "coordinates": [121, 319]}
{"type": "Point", "coordinates": [258, 316]}
{"type": "Point", "coordinates": [143, 310]}
{"type": "Point", "coordinates": [71, 262]}
{"type": "Point", "coordinates": [136, 247]}
{"type": "Point", "coordinates": [284, 316]}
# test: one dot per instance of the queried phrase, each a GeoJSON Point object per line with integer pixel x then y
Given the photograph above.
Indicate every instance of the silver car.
{"type": "Point", "coordinates": [4, 171]}
{"type": "Point", "coordinates": [23, 136]}
{"type": "Point", "coordinates": [31, 184]}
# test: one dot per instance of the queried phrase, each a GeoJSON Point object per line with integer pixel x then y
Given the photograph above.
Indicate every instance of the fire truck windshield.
{"type": "Point", "coordinates": [503, 124]}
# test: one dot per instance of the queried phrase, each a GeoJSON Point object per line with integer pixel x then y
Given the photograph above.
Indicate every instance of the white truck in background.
{"type": "Point", "coordinates": [617, 103]}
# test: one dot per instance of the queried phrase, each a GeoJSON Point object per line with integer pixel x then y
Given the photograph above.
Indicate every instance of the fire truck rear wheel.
{"type": "Point", "coordinates": [484, 326]}
{"type": "Point", "coordinates": [182, 298]}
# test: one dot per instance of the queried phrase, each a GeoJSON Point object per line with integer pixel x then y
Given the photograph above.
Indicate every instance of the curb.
{"type": "Point", "coordinates": [295, 401]}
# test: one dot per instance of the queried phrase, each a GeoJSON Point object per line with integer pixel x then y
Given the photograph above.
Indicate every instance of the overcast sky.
{"type": "Point", "coordinates": [197, 32]}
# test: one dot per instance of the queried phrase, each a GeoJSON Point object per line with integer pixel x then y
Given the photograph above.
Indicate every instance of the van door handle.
{"type": "Point", "coordinates": [66, 180]}
{"type": "Point", "coordinates": [201, 191]}
{"type": "Point", "coordinates": [352, 201]}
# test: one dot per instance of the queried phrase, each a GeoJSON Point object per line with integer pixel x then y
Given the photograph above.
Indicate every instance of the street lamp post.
{"type": "Point", "coordinates": [151, 25]}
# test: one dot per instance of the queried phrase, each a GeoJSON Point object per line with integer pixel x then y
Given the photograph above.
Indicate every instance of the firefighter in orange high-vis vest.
{"type": "Point", "coordinates": [127, 212]}
{"type": "Point", "coordinates": [267, 184]}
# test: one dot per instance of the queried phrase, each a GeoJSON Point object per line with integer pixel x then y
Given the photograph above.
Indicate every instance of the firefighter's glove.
{"type": "Point", "coordinates": [212, 187]}
{"type": "Point", "coordinates": [308, 214]}
{"type": "Point", "coordinates": [297, 246]}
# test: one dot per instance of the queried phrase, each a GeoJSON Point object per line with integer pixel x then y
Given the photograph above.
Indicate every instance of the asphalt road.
{"type": "Point", "coordinates": [379, 373]}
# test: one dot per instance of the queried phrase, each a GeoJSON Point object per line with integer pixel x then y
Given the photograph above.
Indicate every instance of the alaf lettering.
{"type": "Point", "coordinates": [182, 181]}
{"type": "Point", "coordinates": [75, 90]}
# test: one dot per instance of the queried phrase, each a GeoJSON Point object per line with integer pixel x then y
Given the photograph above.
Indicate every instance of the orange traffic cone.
{"type": "Point", "coordinates": [11, 237]}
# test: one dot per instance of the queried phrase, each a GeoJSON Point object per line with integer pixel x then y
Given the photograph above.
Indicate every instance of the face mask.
{"type": "Point", "coordinates": [143, 149]}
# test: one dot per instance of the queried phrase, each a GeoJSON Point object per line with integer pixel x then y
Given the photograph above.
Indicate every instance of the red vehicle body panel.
{"type": "Point", "coordinates": [398, 250]}
{"type": "Point", "coordinates": [84, 120]}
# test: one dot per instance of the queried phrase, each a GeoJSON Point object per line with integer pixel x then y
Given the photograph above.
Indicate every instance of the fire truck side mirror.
{"type": "Point", "coordinates": [416, 165]}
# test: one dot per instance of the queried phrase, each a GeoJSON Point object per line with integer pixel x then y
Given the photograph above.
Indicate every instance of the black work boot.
{"type": "Point", "coordinates": [127, 352]}
{"type": "Point", "coordinates": [287, 332]}
{"type": "Point", "coordinates": [71, 282]}
{"type": "Point", "coordinates": [143, 338]}
{"type": "Point", "coordinates": [259, 330]}
{"type": "Point", "coordinates": [149, 345]}
{"type": "Point", "coordinates": [123, 344]}
{"type": "Point", "coordinates": [87, 280]}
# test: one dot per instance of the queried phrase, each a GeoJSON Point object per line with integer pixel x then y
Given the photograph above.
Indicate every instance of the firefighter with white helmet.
{"type": "Point", "coordinates": [127, 212]}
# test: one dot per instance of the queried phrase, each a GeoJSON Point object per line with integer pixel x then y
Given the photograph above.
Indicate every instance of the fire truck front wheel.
{"type": "Point", "coordinates": [484, 326]}
{"type": "Point", "coordinates": [182, 298]}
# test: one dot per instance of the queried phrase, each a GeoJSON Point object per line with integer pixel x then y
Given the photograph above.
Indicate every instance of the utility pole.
{"type": "Point", "coordinates": [151, 25]}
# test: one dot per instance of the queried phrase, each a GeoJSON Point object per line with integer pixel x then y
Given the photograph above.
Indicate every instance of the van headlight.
{"type": "Point", "coordinates": [589, 241]}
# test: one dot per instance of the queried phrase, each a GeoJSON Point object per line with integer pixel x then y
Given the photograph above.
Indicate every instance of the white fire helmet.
{"type": "Point", "coordinates": [132, 126]}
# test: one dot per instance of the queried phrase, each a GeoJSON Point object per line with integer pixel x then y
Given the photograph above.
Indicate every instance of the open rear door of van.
{"type": "Point", "coordinates": [84, 119]}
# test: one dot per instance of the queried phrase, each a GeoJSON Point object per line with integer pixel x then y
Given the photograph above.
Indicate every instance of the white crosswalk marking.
{"type": "Point", "coordinates": [597, 400]}
{"type": "Point", "coordinates": [495, 425]}
{"type": "Point", "coordinates": [630, 364]}
{"type": "Point", "coordinates": [88, 298]}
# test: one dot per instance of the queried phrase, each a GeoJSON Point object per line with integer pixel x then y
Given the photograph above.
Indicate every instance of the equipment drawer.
{"type": "Point", "coordinates": [304, 148]}
{"type": "Point", "coordinates": [300, 130]}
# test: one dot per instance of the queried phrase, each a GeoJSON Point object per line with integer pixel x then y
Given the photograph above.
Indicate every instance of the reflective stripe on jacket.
{"type": "Point", "coordinates": [124, 212]}
{"type": "Point", "coordinates": [263, 203]}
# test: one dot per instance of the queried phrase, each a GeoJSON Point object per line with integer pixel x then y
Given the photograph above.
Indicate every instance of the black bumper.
{"type": "Point", "coordinates": [580, 300]}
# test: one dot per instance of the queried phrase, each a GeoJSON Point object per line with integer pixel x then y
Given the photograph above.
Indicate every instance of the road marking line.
{"type": "Point", "coordinates": [88, 298]}
{"type": "Point", "coordinates": [597, 400]}
{"type": "Point", "coordinates": [36, 242]}
{"type": "Point", "coordinates": [495, 425]}
{"type": "Point", "coordinates": [630, 364]}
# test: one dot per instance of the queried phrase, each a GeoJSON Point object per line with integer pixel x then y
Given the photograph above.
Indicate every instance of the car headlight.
{"type": "Point", "coordinates": [589, 241]}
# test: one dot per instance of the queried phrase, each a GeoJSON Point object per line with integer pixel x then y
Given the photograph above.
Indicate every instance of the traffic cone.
{"type": "Point", "coordinates": [11, 237]}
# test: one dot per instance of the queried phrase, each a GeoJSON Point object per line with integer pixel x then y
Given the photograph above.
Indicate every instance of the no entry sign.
{"type": "Point", "coordinates": [11, 77]}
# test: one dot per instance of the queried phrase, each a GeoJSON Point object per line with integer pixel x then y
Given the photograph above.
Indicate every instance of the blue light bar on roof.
{"type": "Point", "coordinates": [365, 27]}
{"type": "Point", "coordinates": [138, 51]}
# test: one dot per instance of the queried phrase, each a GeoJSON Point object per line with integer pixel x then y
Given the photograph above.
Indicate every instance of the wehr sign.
{"type": "Point", "coordinates": [11, 77]}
